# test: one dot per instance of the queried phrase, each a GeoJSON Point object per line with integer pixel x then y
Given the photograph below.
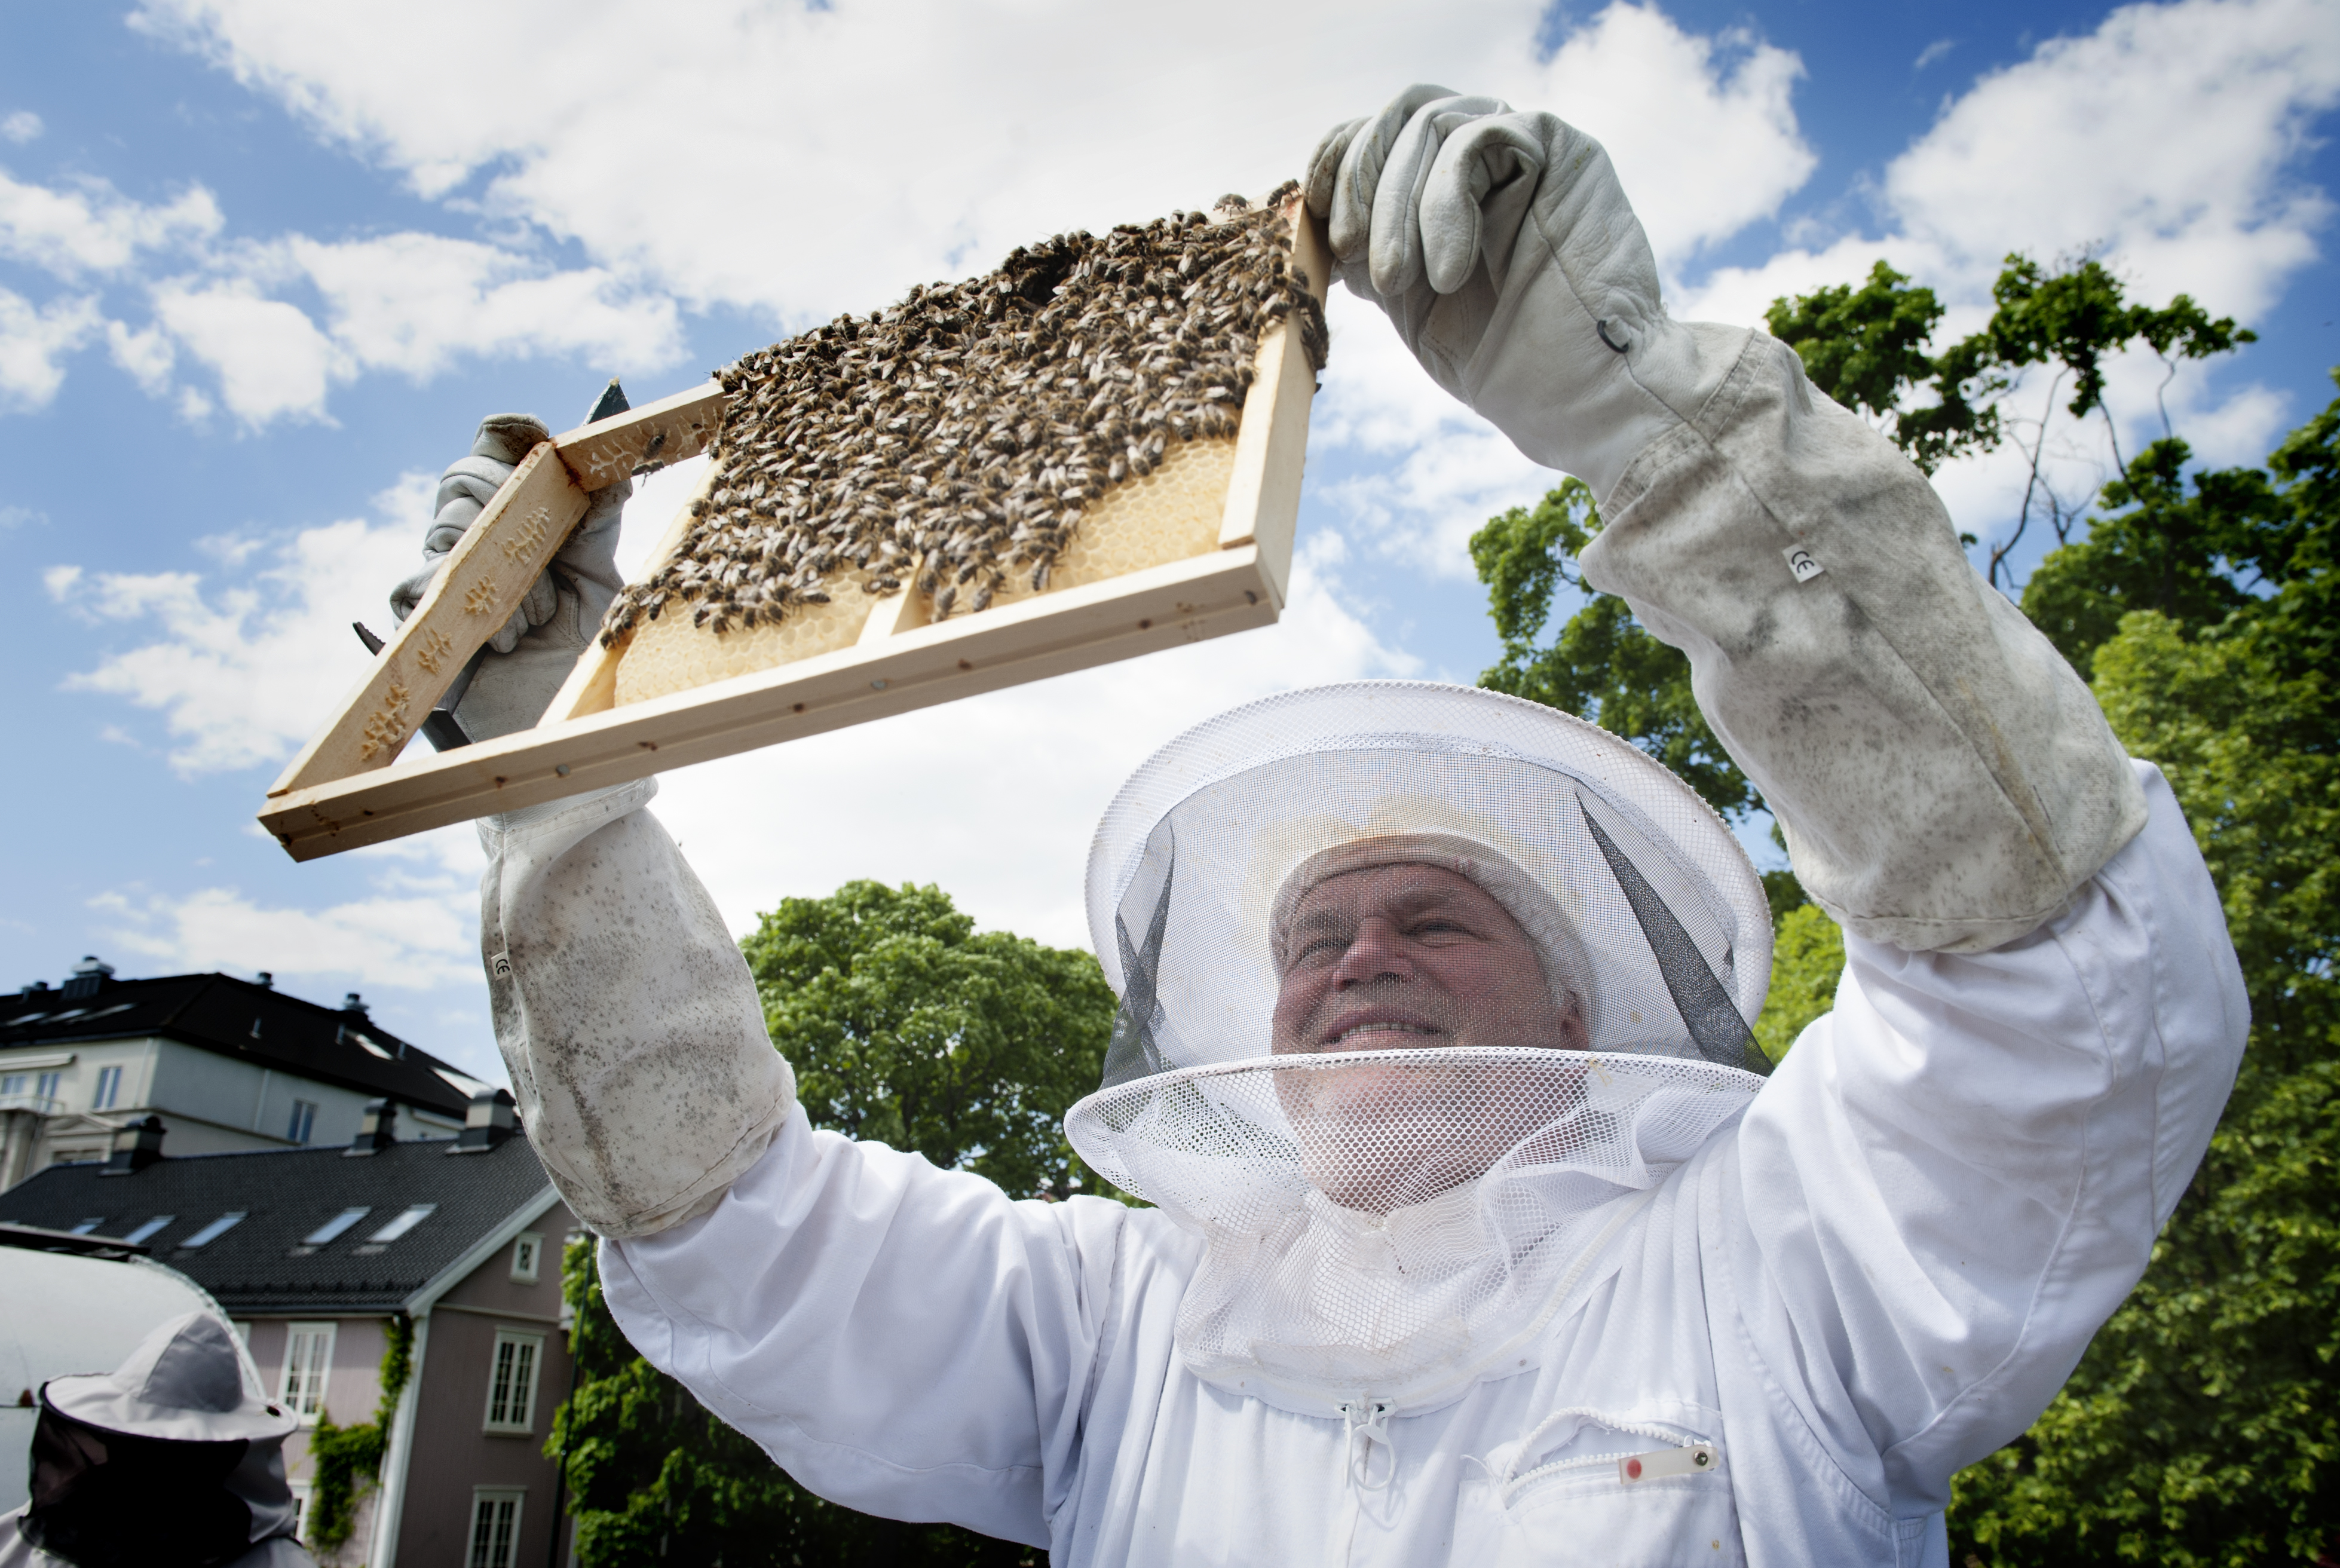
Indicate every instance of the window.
{"type": "Point", "coordinates": [308, 1354]}
{"type": "Point", "coordinates": [305, 1122]}
{"type": "Point", "coordinates": [49, 1085]}
{"type": "Point", "coordinates": [152, 1228]}
{"type": "Point", "coordinates": [300, 1490]}
{"type": "Point", "coordinates": [413, 1215]}
{"type": "Point", "coordinates": [13, 1083]}
{"type": "Point", "coordinates": [83, 1228]}
{"type": "Point", "coordinates": [332, 1228]}
{"type": "Point", "coordinates": [217, 1229]}
{"type": "Point", "coordinates": [526, 1249]}
{"type": "Point", "coordinates": [109, 1089]}
{"type": "Point", "coordinates": [512, 1381]}
{"type": "Point", "coordinates": [495, 1528]}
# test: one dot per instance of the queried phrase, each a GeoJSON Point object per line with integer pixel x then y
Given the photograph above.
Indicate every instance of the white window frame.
{"type": "Point", "coordinates": [527, 1256]}
{"type": "Point", "coordinates": [301, 1125]}
{"type": "Point", "coordinates": [301, 1491]}
{"type": "Point", "coordinates": [108, 1089]}
{"type": "Point", "coordinates": [527, 1352]}
{"type": "Point", "coordinates": [482, 1499]}
{"type": "Point", "coordinates": [306, 1398]}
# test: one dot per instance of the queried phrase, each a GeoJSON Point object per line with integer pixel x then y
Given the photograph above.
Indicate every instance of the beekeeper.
{"type": "Point", "coordinates": [1479, 1236]}
{"type": "Point", "coordinates": [172, 1460]}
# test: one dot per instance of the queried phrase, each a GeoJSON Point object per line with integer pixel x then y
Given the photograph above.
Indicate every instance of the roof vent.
{"type": "Point", "coordinates": [89, 977]}
{"type": "Point", "coordinates": [353, 1003]}
{"type": "Point", "coordinates": [136, 1147]}
{"type": "Point", "coordinates": [376, 1128]}
{"type": "Point", "coordinates": [266, 980]}
{"type": "Point", "coordinates": [489, 1122]}
{"type": "Point", "coordinates": [37, 988]}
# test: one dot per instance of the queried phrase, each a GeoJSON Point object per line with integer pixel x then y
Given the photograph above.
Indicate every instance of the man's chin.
{"type": "Point", "coordinates": [1379, 1136]}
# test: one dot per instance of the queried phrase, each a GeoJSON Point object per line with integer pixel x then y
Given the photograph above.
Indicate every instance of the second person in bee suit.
{"type": "Point", "coordinates": [1479, 1235]}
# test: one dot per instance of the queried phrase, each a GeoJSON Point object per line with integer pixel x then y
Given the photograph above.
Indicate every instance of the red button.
{"type": "Point", "coordinates": [1632, 1469]}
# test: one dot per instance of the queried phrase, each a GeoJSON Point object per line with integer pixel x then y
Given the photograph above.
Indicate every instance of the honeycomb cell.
{"type": "Point", "coordinates": [1173, 513]}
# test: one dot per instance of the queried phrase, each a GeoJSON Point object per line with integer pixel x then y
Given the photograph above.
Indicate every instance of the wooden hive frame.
{"type": "Point", "coordinates": [342, 792]}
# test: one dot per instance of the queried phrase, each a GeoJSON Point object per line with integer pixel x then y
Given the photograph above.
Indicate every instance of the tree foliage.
{"type": "Point", "coordinates": [908, 1026]}
{"type": "Point", "coordinates": [2202, 1426]}
{"type": "Point", "coordinates": [905, 1024]}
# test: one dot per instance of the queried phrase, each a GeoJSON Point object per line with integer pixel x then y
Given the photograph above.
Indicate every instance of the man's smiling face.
{"type": "Point", "coordinates": [1406, 956]}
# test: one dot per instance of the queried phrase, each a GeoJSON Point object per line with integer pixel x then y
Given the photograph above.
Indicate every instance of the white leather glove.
{"type": "Point", "coordinates": [626, 1015]}
{"type": "Point", "coordinates": [532, 653]}
{"type": "Point", "coordinates": [1944, 779]}
{"type": "Point", "coordinates": [1503, 248]}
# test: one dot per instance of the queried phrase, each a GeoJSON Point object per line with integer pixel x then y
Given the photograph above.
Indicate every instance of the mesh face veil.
{"type": "Point", "coordinates": [1423, 989]}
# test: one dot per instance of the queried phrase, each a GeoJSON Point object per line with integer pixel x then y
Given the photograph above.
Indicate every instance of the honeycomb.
{"type": "Point", "coordinates": [1069, 418]}
{"type": "Point", "coordinates": [1170, 515]}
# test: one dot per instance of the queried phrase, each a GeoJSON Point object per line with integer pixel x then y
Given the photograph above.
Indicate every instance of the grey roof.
{"type": "Point", "coordinates": [258, 1265]}
{"type": "Point", "coordinates": [253, 1023]}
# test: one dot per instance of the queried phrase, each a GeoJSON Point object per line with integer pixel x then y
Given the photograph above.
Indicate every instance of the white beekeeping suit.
{"type": "Point", "coordinates": [1479, 1239]}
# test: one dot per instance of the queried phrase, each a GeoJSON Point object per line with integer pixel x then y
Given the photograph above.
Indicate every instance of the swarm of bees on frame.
{"type": "Point", "coordinates": [952, 440]}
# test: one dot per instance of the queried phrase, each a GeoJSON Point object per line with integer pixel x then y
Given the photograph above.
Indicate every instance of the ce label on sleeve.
{"type": "Point", "coordinates": [1801, 562]}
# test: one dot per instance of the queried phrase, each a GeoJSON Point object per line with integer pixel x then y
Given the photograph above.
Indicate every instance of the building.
{"type": "Point", "coordinates": [228, 1063]}
{"type": "Point", "coordinates": [314, 1253]}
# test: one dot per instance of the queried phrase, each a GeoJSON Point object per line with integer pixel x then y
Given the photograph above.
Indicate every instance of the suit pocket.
{"type": "Point", "coordinates": [1620, 1489]}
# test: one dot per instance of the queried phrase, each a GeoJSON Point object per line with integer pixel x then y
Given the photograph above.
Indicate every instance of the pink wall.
{"type": "Point", "coordinates": [452, 1452]}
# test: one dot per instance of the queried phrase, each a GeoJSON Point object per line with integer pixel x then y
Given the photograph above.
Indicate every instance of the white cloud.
{"type": "Point", "coordinates": [146, 357]}
{"type": "Point", "coordinates": [1722, 153]}
{"type": "Point", "coordinates": [411, 939]}
{"type": "Point", "coordinates": [93, 228]}
{"type": "Point", "coordinates": [2167, 137]}
{"type": "Point", "coordinates": [271, 360]}
{"type": "Point", "coordinates": [411, 303]}
{"type": "Point", "coordinates": [34, 342]}
{"type": "Point", "coordinates": [12, 516]}
{"type": "Point", "coordinates": [733, 151]}
{"type": "Point", "coordinates": [244, 672]}
{"type": "Point", "coordinates": [21, 127]}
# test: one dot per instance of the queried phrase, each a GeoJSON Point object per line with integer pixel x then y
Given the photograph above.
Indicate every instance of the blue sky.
{"type": "Point", "coordinates": [262, 266]}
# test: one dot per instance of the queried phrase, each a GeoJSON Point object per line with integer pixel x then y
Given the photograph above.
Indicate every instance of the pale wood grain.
{"type": "Point", "coordinates": [482, 582]}
{"type": "Point", "coordinates": [1164, 606]}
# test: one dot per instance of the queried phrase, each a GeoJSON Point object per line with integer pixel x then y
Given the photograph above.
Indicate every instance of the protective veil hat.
{"type": "Point", "coordinates": [1396, 1224]}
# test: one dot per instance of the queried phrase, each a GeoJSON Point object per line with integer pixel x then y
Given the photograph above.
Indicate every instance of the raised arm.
{"type": "Point", "coordinates": [906, 1340]}
{"type": "Point", "coordinates": [1956, 1177]}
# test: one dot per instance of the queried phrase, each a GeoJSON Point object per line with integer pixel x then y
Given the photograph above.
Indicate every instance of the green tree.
{"type": "Point", "coordinates": [2202, 1426]}
{"type": "Point", "coordinates": [905, 1024]}
{"type": "Point", "coordinates": [908, 1026]}
{"type": "Point", "coordinates": [1807, 959]}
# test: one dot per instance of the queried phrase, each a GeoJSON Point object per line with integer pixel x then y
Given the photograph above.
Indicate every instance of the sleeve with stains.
{"type": "Point", "coordinates": [1945, 781]}
{"type": "Point", "coordinates": [625, 1013]}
